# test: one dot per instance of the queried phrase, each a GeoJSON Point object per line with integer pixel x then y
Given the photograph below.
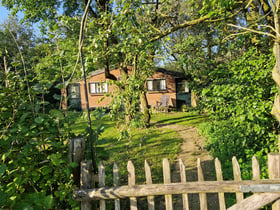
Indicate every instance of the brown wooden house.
{"type": "Point", "coordinates": [162, 82]}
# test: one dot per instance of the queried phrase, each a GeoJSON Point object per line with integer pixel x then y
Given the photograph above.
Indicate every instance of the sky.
{"type": "Point", "coordinates": [4, 13]}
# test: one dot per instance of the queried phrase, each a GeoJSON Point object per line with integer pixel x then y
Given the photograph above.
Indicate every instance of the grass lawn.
{"type": "Point", "coordinates": [152, 144]}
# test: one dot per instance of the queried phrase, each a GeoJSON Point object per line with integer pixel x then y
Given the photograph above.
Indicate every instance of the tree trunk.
{"type": "Point", "coordinates": [276, 69]}
{"type": "Point", "coordinates": [145, 109]}
{"type": "Point", "coordinates": [194, 99]}
{"type": "Point", "coordinates": [7, 82]}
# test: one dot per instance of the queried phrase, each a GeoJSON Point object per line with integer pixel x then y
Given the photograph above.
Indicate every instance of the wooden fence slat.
{"type": "Point", "coordinates": [255, 169]}
{"type": "Point", "coordinates": [184, 180]}
{"type": "Point", "coordinates": [101, 179]}
{"type": "Point", "coordinates": [237, 177]}
{"type": "Point", "coordinates": [167, 180]}
{"type": "Point", "coordinates": [202, 196]}
{"type": "Point", "coordinates": [256, 201]}
{"type": "Point", "coordinates": [265, 191]}
{"type": "Point", "coordinates": [76, 154]}
{"type": "Point", "coordinates": [131, 182]}
{"type": "Point", "coordinates": [151, 202]}
{"type": "Point", "coordinates": [86, 182]}
{"type": "Point", "coordinates": [116, 183]}
{"type": "Point", "coordinates": [274, 173]}
{"type": "Point", "coordinates": [219, 175]}
{"type": "Point", "coordinates": [173, 188]}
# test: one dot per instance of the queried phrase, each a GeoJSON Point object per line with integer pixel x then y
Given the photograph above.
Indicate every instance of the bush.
{"type": "Point", "coordinates": [239, 101]}
{"type": "Point", "coordinates": [34, 169]}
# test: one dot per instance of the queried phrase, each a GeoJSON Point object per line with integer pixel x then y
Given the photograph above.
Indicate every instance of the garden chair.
{"type": "Point", "coordinates": [162, 105]}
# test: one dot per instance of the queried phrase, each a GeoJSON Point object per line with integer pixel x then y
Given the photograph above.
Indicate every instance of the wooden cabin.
{"type": "Point", "coordinates": [162, 82]}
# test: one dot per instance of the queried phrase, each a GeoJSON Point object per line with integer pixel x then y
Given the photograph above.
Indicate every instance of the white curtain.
{"type": "Point", "coordinates": [150, 84]}
{"type": "Point", "coordinates": [162, 84]}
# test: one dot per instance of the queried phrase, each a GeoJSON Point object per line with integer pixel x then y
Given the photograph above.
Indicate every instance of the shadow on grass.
{"type": "Point", "coordinates": [192, 119]}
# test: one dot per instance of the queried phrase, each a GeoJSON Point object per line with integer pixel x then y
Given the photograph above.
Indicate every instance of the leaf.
{"type": "Point", "coordinates": [3, 198]}
{"type": "Point", "coordinates": [56, 159]}
{"type": "Point", "coordinates": [74, 165]}
{"type": "Point", "coordinates": [24, 116]}
{"type": "Point", "coordinates": [57, 114]}
{"type": "Point", "coordinates": [39, 120]}
{"type": "Point", "coordinates": [57, 97]}
{"type": "Point", "coordinates": [3, 169]}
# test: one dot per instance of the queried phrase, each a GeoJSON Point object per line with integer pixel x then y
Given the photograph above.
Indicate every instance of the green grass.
{"type": "Point", "coordinates": [180, 118]}
{"type": "Point", "coordinates": [152, 144]}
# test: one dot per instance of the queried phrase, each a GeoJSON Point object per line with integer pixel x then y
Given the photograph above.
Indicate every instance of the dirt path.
{"type": "Point", "coordinates": [192, 148]}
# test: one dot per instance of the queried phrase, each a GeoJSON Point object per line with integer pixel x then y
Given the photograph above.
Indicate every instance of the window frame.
{"type": "Point", "coordinates": [156, 87]}
{"type": "Point", "coordinates": [99, 87]}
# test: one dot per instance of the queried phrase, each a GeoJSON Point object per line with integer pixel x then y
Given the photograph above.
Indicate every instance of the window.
{"type": "Point", "coordinates": [156, 84]}
{"type": "Point", "coordinates": [74, 91]}
{"type": "Point", "coordinates": [182, 86]}
{"type": "Point", "coordinates": [98, 87]}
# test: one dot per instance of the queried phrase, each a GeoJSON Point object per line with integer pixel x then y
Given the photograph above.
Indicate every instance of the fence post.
{"type": "Point", "coordinates": [101, 177]}
{"type": "Point", "coordinates": [116, 183]}
{"type": "Point", "coordinates": [167, 180]}
{"type": "Point", "coordinates": [86, 182]}
{"type": "Point", "coordinates": [131, 182]}
{"type": "Point", "coordinates": [76, 154]}
{"type": "Point", "coordinates": [274, 173]}
{"type": "Point", "coordinates": [151, 201]}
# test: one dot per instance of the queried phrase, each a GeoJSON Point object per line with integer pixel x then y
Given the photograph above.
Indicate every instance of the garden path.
{"type": "Point", "coordinates": [193, 148]}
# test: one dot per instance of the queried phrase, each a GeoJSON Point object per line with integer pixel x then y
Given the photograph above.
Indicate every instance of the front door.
{"type": "Point", "coordinates": [74, 96]}
{"type": "Point", "coordinates": [183, 95]}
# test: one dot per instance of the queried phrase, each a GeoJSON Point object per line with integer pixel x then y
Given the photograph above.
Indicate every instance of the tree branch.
{"type": "Point", "coordinates": [252, 30]}
{"type": "Point", "coordinates": [91, 11]}
{"type": "Point", "coordinates": [177, 27]}
{"type": "Point", "coordinates": [25, 71]}
{"type": "Point", "coordinates": [81, 40]}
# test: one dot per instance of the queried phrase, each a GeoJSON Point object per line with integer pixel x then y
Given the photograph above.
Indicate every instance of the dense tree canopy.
{"type": "Point", "coordinates": [227, 47]}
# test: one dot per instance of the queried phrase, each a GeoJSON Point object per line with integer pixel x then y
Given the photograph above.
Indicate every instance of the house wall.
{"type": "Point", "coordinates": [154, 96]}
{"type": "Point", "coordinates": [98, 99]}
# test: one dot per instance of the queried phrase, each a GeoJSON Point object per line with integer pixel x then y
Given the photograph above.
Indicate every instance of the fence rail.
{"type": "Point", "coordinates": [265, 191]}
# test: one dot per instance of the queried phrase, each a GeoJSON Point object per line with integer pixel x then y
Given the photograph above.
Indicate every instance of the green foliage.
{"type": "Point", "coordinates": [239, 101]}
{"type": "Point", "coordinates": [34, 170]}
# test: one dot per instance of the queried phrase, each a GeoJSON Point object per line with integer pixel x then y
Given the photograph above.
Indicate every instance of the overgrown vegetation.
{"type": "Point", "coordinates": [239, 103]}
{"type": "Point", "coordinates": [224, 46]}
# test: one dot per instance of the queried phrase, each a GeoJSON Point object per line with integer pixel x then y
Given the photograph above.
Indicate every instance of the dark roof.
{"type": "Point", "coordinates": [172, 73]}
{"type": "Point", "coordinates": [165, 71]}
{"type": "Point", "coordinates": [100, 71]}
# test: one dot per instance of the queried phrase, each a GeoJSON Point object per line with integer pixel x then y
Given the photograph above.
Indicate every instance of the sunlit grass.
{"type": "Point", "coordinates": [151, 144]}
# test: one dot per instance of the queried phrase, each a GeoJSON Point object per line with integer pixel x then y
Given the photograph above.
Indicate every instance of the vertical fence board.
{"type": "Point", "coordinates": [219, 175]}
{"type": "Point", "coordinates": [131, 182]}
{"type": "Point", "coordinates": [76, 154]}
{"type": "Point", "coordinates": [255, 169]}
{"type": "Point", "coordinates": [116, 183]}
{"type": "Point", "coordinates": [86, 182]}
{"type": "Point", "coordinates": [101, 179]}
{"type": "Point", "coordinates": [184, 180]}
{"type": "Point", "coordinates": [151, 202]}
{"type": "Point", "coordinates": [202, 196]}
{"type": "Point", "coordinates": [274, 173]}
{"type": "Point", "coordinates": [167, 180]}
{"type": "Point", "coordinates": [237, 177]}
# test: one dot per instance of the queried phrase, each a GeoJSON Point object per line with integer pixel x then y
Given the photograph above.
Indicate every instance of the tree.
{"type": "Point", "coordinates": [112, 45]}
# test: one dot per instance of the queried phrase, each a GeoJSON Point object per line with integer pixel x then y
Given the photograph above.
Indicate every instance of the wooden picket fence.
{"type": "Point", "coordinates": [262, 191]}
